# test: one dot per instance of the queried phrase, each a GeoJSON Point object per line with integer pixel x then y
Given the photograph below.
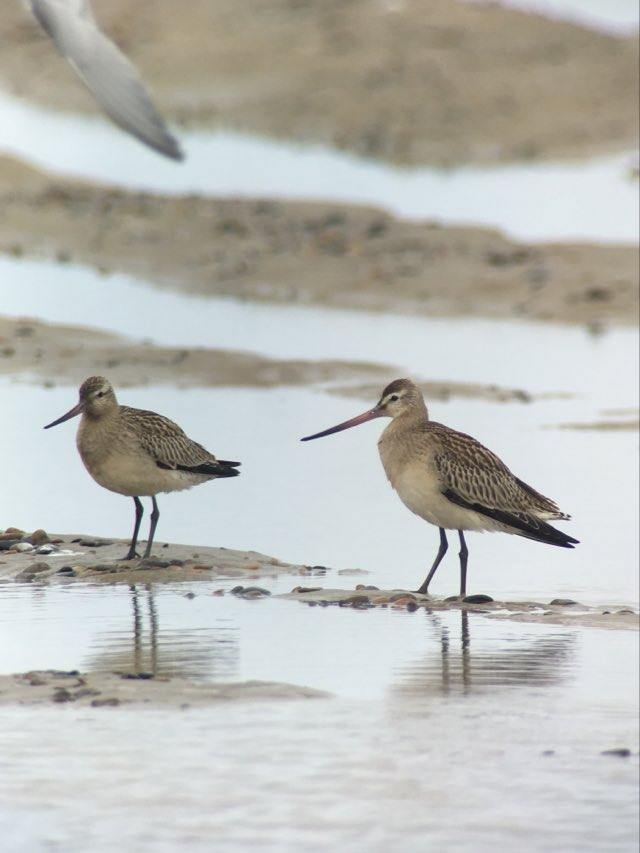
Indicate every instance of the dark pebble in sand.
{"type": "Point", "coordinates": [153, 563]}
{"type": "Point", "coordinates": [480, 598]}
{"type": "Point", "coordinates": [366, 586]}
{"type": "Point", "coordinates": [253, 592]}
{"type": "Point", "coordinates": [93, 543]}
{"type": "Point", "coordinates": [357, 601]}
{"type": "Point", "coordinates": [306, 588]}
{"type": "Point", "coordinates": [317, 570]}
{"type": "Point", "coordinates": [189, 595]}
{"type": "Point", "coordinates": [102, 703]}
{"type": "Point", "coordinates": [6, 544]}
{"type": "Point", "coordinates": [618, 753]}
{"type": "Point", "coordinates": [136, 676]}
{"type": "Point", "coordinates": [67, 572]}
{"type": "Point", "coordinates": [61, 694]}
{"type": "Point", "coordinates": [176, 562]}
{"type": "Point", "coordinates": [562, 602]}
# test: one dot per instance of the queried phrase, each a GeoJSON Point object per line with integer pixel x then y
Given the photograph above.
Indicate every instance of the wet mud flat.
{"type": "Point", "coordinates": [341, 256]}
{"type": "Point", "coordinates": [42, 559]}
{"type": "Point", "coordinates": [54, 354]}
{"type": "Point", "coordinates": [112, 689]}
{"type": "Point", "coordinates": [438, 82]}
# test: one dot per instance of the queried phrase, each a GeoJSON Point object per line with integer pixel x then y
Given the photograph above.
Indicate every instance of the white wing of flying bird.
{"type": "Point", "coordinates": [105, 71]}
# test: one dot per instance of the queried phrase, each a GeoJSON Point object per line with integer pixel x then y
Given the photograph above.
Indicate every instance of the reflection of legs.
{"type": "Point", "coordinates": [442, 550]}
{"type": "Point", "coordinates": [153, 624]}
{"type": "Point", "coordinates": [139, 513]}
{"type": "Point", "coordinates": [137, 629]}
{"type": "Point", "coordinates": [155, 515]}
{"type": "Point", "coordinates": [464, 553]}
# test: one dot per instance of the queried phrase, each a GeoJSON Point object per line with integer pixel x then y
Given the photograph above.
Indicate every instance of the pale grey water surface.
{"type": "Point", "coordinates": [619, 17]}
{"type": "Point", "coordinates": [434, 739]}
{"type": "Point", "coordinates": [592, 200]}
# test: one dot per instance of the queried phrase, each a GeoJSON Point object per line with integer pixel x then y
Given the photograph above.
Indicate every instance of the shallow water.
{"type": "Point", "coordinates": [619, 17]}
{"type": "Point", "coordinates": [434, 737]}
{"type": "Point", "coordinates": [328, 502]}
{"type": "Point", "coordinates": [592, 200]}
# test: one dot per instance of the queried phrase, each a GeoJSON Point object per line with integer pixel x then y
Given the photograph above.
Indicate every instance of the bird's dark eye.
{"type": "Point", "coordinates": [393, 398]}
{"type": "Point", "coordinates": [100, 394]}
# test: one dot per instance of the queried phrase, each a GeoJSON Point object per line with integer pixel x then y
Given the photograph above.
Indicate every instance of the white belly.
{"type": "Point", "coordinates": [419, 489]}
{"type": "Point", "coordinates": [139, 476]}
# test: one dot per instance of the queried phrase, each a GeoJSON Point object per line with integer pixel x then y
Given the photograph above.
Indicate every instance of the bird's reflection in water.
{"type": "Point", "coordinates": [499, 660]}
{"type": "Point", "coordinates": [196, 653]}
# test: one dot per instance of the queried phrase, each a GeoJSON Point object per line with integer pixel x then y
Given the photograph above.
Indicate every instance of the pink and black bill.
{"type": "Point", "coordinates": [72, 413]}
{"type": "Point", "coordinates": [360, 419]}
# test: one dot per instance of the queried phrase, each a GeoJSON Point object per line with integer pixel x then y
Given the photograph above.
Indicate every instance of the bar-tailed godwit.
{"type": "Point", "coordinates": [138, 453]}
{"type": "Point", "coordinates": [105, 71]}
{"type": "Point", "coordinates": [451, 480]}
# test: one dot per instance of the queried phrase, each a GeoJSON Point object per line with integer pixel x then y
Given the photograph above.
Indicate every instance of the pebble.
{"type": "Point", "coordinates": [402, 598]}
{"type": "Point", "coordinates": [218, 592]}
{"type": "Point", "coordinates": [67, 571]}
{"type": "Point", "coordinates": [61, 694]}
{"type": "Point", "coordinates": [250, 591]}
{"type": "Point", "coordinates": [479, 598]}
{"type": "Point", "coordinates": [176, 562]}
{"type": "Point", "coordinates": [22, 547]}
{"type": "Point", "coordinates": [101, 703]}
{"type": "Point", "coordinates": [562, 602]}
{"type": "Point", "coordinates": [306, 588]}
{"type": "Point", "coordinates": [93, 543]}
{"type": "Point", "coordinates": [153, 563]}
{"type": "Point", "coordinates": [46, 549]}
{"type": "Point", "coordinates": [7, 544]}
{"type": "Point", "coordinates": [38, 537]}
{"type": "Point", "coordinates": [136, 676]}
{"type": "Point", "coordinates": [366, 586]}
{"type": "Point", "coordinates": [190, 595]}
{"type": "Point", "coordinates": [200, 567]}
{"type": "Point", "coordinates": [619, 753]}
{"type": "Point", "coordinates": [12, 533]}
{"type": "Point", "coordinates": [356, 601]}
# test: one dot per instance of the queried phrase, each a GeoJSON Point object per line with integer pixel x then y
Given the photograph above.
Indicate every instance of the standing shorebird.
{"type": "Point", "coordinates": [138, 453]}
{"type": "Point", "coordinates": [451, 480]}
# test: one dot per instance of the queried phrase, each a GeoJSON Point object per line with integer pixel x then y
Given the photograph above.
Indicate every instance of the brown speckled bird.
{"type": "Point", "coordinates": [451, 480]}
{"type": "Point", "coordinates": [138, 453]}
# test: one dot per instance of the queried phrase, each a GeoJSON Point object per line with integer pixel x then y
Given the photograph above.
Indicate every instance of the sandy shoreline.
{"type": "Point", "coordinates": [312, 253]}
{"type": "Point", "coordinates": [438, 82]}
{"type": "Point", "coordinates": [85, 559]}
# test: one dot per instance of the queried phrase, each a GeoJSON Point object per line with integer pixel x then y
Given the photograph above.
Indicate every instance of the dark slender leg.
{"type": "Point", "coordinates": [464, 553]}
{"type": "Point", "coordinates": [139, 513]}
{"type": "Point", "coordinates": [155, 515]}
{"type": "Point", "coordinates": [442, 550]}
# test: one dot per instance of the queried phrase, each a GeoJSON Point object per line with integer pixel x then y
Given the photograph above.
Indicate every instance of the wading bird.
{"type": "Point", "coordinates": [104, 70]}
{"type": "Point", "coordinates": [451, 480]}
{"type": "Point", "coordinates": [138, 453]}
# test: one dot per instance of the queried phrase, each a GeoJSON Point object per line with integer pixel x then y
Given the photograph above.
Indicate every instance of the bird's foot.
{"type": "Point", "coordinates": [130, 555]}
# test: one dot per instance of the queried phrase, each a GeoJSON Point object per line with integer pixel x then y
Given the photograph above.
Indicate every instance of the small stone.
{"type": "Point", "coordinates": [102, 703]}
{"type": "Point", "coordinates": [12, 533]}
{"type": "Point", "coordinates": [478, 598]}
{"type": "Point", "coordinates": [93, 543]}
{"type": "Point", "coordinates": [61, 694]}
{"type": "Point", "coordinates": [67, 571]}
{"type": "Point", "coordinates": [8, 544]}
{"type": "Point", "coordinates": [626, 610]}
{"type": "Point", "coordinates": [306, 588]}
{"type": "Point", "coordinates": [46, 549]}
{"type": "Point", "coordinates": [237, 590]}
{"type": "Point", "coordinates": [36, 568]}
{"type": "Point", "coordinates": [366, 586]}
{"type": "Point", "coordinates": [136, 676]}
{"type": "Point", "coordinates": [22, 547]}
{"type": "Point", "coordinates": [190, 595]}
{"type": "Point", "coordinates": [218, 592]}
{"type": "Point", "coordinates": [176, 562]}
{"type": "Point", "coordinates": [562, 602]}
{"type": "Point", "coordinates": [38, 537]}
{"type": "Point", "coordinates": [200, 567]}
{"type": "Point", "coordinates": [252, 592]}
{"type": "Point", "coordinates": [619, 753]}
{"type": "Point", "coordinates": [153, 563]}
